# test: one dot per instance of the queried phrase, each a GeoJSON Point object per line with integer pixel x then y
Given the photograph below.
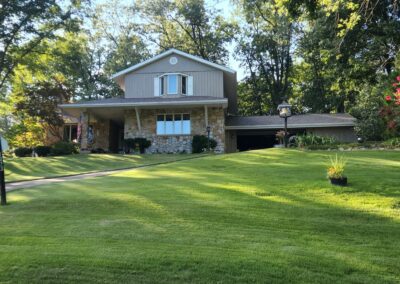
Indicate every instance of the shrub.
{"type": "Point", "coordinates": [336, 167]}
{"type": "Point", "coordinates": [64, 148]}
{"type": "Point", "coordinates": [23, 152]}
{"type": "Point", "coordinates": [392, 143]}
{"type": "Point", "coordinates": [311, 140]}
{"type": "Point", "coordinates": [142, 144]}
{"type": "Point", "coordinates": [43, 151]}
{"type": "Point", "coordinates": [200, 143]}
{"type": "Point", "coordinates": [133, 143]}
{"type": "Point", "coordinates": [129, 144]}
{"type": "Point", "coordinates": [98, 151]}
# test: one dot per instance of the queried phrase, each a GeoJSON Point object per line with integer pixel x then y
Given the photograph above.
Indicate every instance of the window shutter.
{"type": "Point", "coordinates": [190, 86]}
{"type": "Point", "coordinates": [156, 86]}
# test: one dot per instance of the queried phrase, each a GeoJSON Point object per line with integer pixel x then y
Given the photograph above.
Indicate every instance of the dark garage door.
{"type": "Point", "coordinates": [252, 142]}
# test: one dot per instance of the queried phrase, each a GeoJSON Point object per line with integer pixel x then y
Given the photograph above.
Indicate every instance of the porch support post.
{"type": "Point", "coordinates": [206, 115]}
{"type": "Point", "coordinates": [137, 111]}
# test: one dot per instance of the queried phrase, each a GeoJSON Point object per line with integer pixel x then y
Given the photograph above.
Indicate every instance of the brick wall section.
{"type": "Point", "coordinates": [176, 143]}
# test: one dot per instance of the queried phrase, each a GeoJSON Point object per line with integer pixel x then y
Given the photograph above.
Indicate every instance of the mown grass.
{"type": "Point", "coordinates": [261, 216]}
{"type": "Point", "coordinates": [18, 169]}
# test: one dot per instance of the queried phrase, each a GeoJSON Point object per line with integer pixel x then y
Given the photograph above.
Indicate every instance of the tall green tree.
{"type": "Point", "coordinates": [190, 26]}
{"type": "Point", "coordinates": [265, 49]}
{"type": "Point", "coordinates": [24, 24]}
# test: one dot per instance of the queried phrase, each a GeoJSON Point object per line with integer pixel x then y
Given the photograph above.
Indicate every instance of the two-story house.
{"type": "Point", "coordinates": [174, 96]}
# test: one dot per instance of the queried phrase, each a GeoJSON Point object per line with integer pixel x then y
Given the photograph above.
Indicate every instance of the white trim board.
{"type": "Point", "coordinates": [169, 52]}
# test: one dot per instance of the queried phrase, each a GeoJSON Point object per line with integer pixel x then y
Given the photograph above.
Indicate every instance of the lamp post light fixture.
{"type": "Point", "coordinates": [208, 129]}
{"type": "Point", "coordinates": [285, 111]}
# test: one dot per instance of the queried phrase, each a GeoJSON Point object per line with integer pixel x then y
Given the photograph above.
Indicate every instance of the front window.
{"type": "Point", "coordinates": [70, 132]}
{"type": "Point", "coordinates": [173, 124]}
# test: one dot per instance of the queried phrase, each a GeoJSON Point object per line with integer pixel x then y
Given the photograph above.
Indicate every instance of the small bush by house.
{"type": "Point", "coordinates": [62, 148]}
{"type": "Point", "coordinates": [43, 151]}
{"type": "Point", "coordinates": [307, 140]}
{"type": "Point", "coordinates": [200, 143]}
{"type": "Point", "coordinates": [23, 152]}
{"type": "Point", "coordinates": [140, 144]}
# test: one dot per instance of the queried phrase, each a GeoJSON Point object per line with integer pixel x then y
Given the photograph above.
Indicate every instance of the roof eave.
{"type": "Point", "coordinates": [223, 102]}
{"type": "Point", "coordinates": [278, 126]}
{"type": "Point", "coordinates": [166, 53]}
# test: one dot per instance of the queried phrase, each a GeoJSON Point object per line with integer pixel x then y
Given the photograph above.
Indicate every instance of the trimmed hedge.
{"type": "Point", "coordinates": [23, 152]}
{"type": "Point", "coordinates": [62, 148]}
{"type": "Point", "coordinates": [43, 151]}
{"type": "Point", "coordinates": [133, 143]}
{"type": "Point", "coordinates": [200, 144]}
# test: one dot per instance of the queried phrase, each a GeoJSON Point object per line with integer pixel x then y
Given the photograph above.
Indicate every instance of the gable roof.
{"type": "Point", "coordinates": [169, 52]}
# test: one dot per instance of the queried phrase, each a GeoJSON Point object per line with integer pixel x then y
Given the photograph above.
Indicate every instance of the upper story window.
{"type": "Point", "coordinates": [173, 84]}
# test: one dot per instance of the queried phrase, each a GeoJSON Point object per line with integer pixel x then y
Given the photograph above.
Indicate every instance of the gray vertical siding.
{"type": "Point", "coordinates": [207, 81]}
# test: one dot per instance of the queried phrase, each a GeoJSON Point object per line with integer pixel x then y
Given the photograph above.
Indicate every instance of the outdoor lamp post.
{"type": "Point", "coordinates": [285, 112]}
{"type": "Point", "coordinates": [208, 128]}
{"type": "Point", "coordinates": [3, 146]}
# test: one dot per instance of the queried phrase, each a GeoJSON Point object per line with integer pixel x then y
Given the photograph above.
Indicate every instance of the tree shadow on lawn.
{"type": "Point", "coordinates": [292, 233]}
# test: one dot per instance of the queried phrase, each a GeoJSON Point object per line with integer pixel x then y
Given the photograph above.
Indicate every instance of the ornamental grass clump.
{"type": "Point", "coordinates": [336, 170]}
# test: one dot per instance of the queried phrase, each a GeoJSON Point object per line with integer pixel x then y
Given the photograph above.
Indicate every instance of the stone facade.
{"type": "Point", "coordinates": [101, 131]}
{"type": "Point", "coordinates": [176, 143]}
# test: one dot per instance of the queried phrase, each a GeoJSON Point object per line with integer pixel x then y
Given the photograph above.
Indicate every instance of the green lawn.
{"type": "Point", "coordinates": [261, 216]}
{"type": "Point", "coordinates": [33, 168]}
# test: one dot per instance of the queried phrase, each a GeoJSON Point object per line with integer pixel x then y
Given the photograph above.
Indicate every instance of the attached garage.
{"type": "Point", "coordinates": [257, 132]}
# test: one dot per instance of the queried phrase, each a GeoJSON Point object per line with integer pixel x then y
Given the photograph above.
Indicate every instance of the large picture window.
{"type": "Point", "coordinates": [173, 124]}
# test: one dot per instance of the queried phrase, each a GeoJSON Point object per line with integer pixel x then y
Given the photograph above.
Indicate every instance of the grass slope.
{"type": "Point", "coordinates": [261, 216]}
{"type": "Point", "coordinates": [33, 168]}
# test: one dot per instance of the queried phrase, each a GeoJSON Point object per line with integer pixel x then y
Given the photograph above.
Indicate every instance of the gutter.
{"type": "Point", "coordinates": [167, 103]}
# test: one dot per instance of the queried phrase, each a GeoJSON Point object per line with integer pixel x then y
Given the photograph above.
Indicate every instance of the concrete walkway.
{"type": "Point", "coordinates": [32, 183]}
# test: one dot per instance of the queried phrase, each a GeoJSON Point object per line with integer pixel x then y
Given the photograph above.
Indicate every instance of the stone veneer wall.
{"type": "Point", "coordinates": [101, 130]}
{"type": "Point", "coordinates": [176, 143]}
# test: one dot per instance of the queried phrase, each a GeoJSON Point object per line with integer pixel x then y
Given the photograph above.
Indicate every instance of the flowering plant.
{"type": "Point", "coordinates": [391, 110]}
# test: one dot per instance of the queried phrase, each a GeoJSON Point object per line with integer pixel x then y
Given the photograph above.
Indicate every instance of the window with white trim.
{"type": "Point", "coordinates": [173, 124]}
{"type": "Point", "coordinates": [174, 84]}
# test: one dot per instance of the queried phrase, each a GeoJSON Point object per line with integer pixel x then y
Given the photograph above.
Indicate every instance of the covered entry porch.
{"type": "Point", "coordinates": [169, 123]}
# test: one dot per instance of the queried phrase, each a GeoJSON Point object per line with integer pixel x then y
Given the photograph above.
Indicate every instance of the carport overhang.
{"type": "Point", "coordinates": [290, 126]}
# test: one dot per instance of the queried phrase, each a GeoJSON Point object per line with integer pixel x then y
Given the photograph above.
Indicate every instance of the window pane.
{"type": "Point", "coordinates": [184, 85]}
{"type": "Point", "coordinates": [160, 125]}
{"type": "Point", "coordinates": [178, 124]}
{"type": "Point", "coordinates": [162, 85]}
{"type": "Point", "coordinates": [169, 124]}
{"type": "Point", "coordinates": [172, 84]}
{"type": "Point", "coordinates": [66, 133]}
{"type": "Point", "coordinates": [186, 124]}
{"type": "Point", "coordinates": [74, 132]}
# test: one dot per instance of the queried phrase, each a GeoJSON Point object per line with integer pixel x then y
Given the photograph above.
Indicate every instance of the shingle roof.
{"type": "Point", "coordinates": [295, 121]}
{"type": "Point", "coordinates": [153, 101]}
